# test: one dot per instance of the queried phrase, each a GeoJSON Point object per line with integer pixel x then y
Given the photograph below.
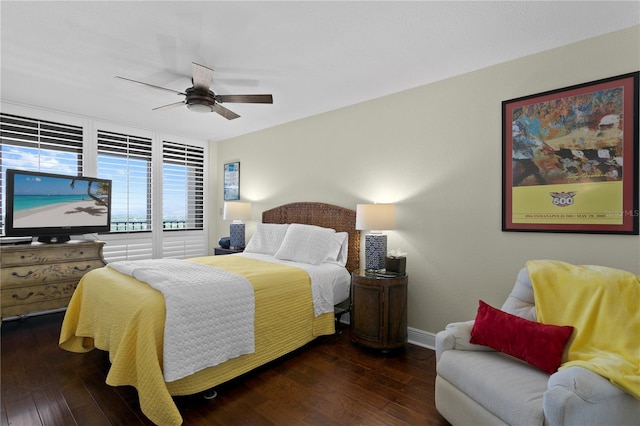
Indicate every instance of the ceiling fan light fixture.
{"type": "Point", "coordinates": [200, 107]}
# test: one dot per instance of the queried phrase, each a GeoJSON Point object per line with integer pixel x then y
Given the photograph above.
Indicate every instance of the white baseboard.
{"type": "Point", "coordinates": [421, 338]}
{"type": "Point", "coordinates": [414, 335]}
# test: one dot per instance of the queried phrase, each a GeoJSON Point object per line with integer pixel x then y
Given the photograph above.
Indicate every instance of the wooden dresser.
{"type": "Point", "coordinates": [41, 277]}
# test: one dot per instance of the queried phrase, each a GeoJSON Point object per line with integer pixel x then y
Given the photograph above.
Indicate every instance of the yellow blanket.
{"type": "Point", "coordinates": [116, 313]}
{"type": "Point", "coordinates": [603, 304]}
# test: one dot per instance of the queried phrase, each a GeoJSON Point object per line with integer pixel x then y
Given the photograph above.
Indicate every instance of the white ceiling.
{"type": "Point", "coordinates": [312, 56]}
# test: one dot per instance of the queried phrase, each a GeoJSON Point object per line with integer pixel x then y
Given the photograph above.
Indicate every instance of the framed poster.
{"type": "Point", "coordinates": [232, 181]}
{"type": "Point", "coordinates": [570, 159]}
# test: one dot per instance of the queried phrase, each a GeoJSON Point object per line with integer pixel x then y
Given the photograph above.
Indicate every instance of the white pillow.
{"type": "Point", "coordinates": [306, 244]}
{"type": "Point", "coordinates": [267, 239]}
{"type": "Point", "coordinates": [338, 249]}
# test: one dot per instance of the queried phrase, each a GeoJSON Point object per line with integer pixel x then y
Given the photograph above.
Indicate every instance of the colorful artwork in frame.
{"type": "Point", "coordinates": [232, 181]}
{"type": "Point", "coordinates": [570, 159]}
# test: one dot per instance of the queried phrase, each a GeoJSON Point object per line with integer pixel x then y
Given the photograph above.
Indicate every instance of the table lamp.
{"type": "Point", "coordinates": [375, 218]}
{"type": "Point", "coordinates": [237, 212]}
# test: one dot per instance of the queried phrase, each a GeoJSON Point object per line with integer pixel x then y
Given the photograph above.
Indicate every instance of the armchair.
{"type": "Point", "coordinates": [477, 385]}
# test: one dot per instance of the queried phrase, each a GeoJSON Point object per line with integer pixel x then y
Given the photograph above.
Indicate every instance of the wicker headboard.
{"type": "Point", "coordinates": [321, 214]}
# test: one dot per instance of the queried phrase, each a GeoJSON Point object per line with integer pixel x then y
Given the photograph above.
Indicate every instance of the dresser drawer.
{"type": "Point", "coordinates": [37, 294]}
{"type": "Point", "coordinates": [34, 308]}
{"type": "Point", "coordinates": [20, 276]}
{"type": "Point", "coordinates": [29, 256]}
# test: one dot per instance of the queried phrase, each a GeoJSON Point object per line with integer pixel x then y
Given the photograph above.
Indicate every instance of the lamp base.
{"type": "Point", "coordinates": [375, 252]}
{"type": "Point", "coordinates": [236, 231]}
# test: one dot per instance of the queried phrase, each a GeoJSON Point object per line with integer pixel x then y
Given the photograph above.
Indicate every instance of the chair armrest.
{"type": "Point", "coordinates": [577, 396]}
{"type": "Point", "coordinates": [586, 384]}
{"type": "Point", "coordinates": [456, 336]}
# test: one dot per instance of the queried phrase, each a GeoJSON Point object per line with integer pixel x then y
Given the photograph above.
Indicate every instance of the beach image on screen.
{"type": "Point", "coordinates": [41, 201]}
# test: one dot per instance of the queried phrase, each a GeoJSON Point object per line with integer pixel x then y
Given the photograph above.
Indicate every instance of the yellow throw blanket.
{"type": "Point", "coordinates": [603, 304]}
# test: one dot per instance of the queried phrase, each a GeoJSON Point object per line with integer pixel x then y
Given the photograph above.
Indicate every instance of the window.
{"type": "Point", "coordinates": [38, 145]}
{"type": "Point", "coordinates": [126, 160]}
{"type": "Point", "coordinates": [182, 186]}
{"type": "Point", "coordinates": [152, 179]}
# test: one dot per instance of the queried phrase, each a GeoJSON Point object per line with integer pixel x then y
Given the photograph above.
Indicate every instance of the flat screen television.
{"type": "Point", "coordinates": [53, 207]}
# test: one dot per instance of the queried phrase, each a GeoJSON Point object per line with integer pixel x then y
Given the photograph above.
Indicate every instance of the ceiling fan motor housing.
{"type": "Point", "coordinates": [200, 100]}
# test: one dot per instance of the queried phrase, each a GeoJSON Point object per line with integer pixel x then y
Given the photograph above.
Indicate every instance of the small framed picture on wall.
{"type": "Point", "coordinates": [232, 181]}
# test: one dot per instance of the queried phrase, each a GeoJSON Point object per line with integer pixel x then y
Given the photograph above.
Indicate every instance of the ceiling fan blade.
{"type": "Point", "coordinates": [201, 76]}
{"type": "Point", "coordinates": [153, 86]}
{"type": "Point", "coordinates": [226, 113]}
{"type": "Point", "coordinates": [173, 105]}
{"type": "Point", "coordinates": [248, 99]}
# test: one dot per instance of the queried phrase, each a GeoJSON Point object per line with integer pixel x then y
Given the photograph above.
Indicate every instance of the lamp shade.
{"type": "Point", "coordinates": [236, 210]}
{"type": "Point", "coordinates": [377, 217]}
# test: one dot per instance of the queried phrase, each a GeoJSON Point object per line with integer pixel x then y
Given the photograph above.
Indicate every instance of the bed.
{"type": "Point", "coordinates": [117, 313]}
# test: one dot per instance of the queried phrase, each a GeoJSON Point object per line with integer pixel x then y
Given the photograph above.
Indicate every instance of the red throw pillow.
{"type": "Point", "coordinates": [538, 344]}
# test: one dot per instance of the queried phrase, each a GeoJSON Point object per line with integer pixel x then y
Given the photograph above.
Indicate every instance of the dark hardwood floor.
{"type": "Point", "coordinates": [329, 382]}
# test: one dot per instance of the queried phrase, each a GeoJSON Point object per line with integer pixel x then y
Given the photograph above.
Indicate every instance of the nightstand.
{"type": "Point", "coordinates": [219, 250]}
{"type": "Point", "coordinates": [379, 310]}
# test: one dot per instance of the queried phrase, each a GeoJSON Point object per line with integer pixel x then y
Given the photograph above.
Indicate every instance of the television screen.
{"type": "Point", "coordinates": [46, 205]}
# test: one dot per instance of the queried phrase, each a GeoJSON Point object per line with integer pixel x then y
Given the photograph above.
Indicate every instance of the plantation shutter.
{"type": "Point", "coordinates": [183, 201]}
{"type": "Point", "coordinates": [126, 160]}
{"type": "Point", "coordinates": [38, 145]}
{"type": "Point", "coordinates": [182, 186]}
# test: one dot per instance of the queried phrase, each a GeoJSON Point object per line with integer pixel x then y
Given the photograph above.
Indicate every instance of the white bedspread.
{"type": "Point", "coordinates": [209, 312]}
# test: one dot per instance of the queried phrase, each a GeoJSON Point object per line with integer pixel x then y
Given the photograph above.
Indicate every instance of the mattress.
{"type": "Point", "coordinates": [330, 283]}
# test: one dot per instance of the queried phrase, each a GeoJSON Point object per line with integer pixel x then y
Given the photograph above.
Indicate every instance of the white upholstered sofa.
{"type": "Point", "coordinates": [476, 385]}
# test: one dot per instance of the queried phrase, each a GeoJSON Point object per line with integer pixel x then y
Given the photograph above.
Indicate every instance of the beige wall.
{"type": "Point", "coordinates": [435, 151]}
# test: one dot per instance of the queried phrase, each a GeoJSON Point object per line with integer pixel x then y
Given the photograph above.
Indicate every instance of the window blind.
{"type": "Point", "coordinates": [182, 186]}
{"type": "Point", "coordinates": [38, 145]}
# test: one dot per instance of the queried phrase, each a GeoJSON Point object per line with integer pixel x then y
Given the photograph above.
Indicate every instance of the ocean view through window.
{"type": "Point", "coordinates": [126, 160]}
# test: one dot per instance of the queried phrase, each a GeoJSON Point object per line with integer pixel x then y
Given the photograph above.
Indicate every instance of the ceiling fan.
{"type": "Point", "coordinates": [200, 97]}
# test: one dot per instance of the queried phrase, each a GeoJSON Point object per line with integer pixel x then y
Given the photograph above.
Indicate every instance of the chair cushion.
{"type": "Point", "coordinates": [507, 387]}
{"type": "Point", "coordinates": [540, 345]}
